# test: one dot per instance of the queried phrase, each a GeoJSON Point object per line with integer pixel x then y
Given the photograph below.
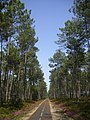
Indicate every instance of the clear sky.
{"type": "Point", "coordinates": [49, 16]}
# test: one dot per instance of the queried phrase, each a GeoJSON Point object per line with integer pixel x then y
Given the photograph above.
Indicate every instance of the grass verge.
{"type": "Point", "coordinates": [80, 107]}
{"type": "Point", "coordinates": [10, 112]}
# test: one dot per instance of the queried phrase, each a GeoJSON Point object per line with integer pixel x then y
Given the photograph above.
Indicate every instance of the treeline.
{"type": "Point", "coordinates": [21, 76]}
{"type": "Point", "coordinates": [70, 65]}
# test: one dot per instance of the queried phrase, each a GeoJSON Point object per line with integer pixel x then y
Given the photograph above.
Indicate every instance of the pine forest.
{"type": "Point", "coordinates": [22, 81]}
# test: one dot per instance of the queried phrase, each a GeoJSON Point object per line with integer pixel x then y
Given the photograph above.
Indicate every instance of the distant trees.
{"type": "Point", "coordinates": [70, 76]}
{"type": "Point", "coordinates": [21, 76]}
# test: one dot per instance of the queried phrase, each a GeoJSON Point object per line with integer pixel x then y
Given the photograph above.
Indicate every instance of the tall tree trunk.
{"type": "Point", "coordinates": [88, 68]}
{"type": "Point", "coordinates": [1, 95]}
{"type": "Point", "coordinates": [24, 80]}
{"type": "Point", "coordinates": [7, 87]}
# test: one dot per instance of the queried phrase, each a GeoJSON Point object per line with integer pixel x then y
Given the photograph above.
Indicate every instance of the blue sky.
{"type": "Point", "coordinates": [49, 16]}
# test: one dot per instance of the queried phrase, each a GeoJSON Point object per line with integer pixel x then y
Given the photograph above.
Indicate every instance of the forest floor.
{"type": "Point", "coordinates": [57, 113]}
{"type": "Point", "coordinates": [73, 108]}
{"type": "Point", "coordinates": [67, 109]}
{"type": "Point", "coordinates": [9, 112]}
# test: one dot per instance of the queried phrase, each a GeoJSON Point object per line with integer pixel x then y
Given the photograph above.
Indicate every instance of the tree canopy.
{"type": "Point", "coordinates": [21, 76]}
{"type": "Point", "coordinates": [70, 69]}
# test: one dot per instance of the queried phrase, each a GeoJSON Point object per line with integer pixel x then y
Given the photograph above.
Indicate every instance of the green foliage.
{"type": "Point", "coordinates": [80, 107]}
{"type": "Point", "coordinates": [19, 68]}
{"type": "Point", "coordinates": [70, 74]}
{"type": "Point", "coordinates": [74, 108]}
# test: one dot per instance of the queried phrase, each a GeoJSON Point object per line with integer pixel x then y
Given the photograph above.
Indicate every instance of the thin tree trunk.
{"type": "Point", "coordinates": [1, 95]}
{"type": "Point", "coordinates": [24, 82]}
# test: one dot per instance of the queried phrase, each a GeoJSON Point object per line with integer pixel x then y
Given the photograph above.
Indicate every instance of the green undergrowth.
{"type": "Point", "coordinates": [14, 111]}
{"type": "Point", "coordinates": [80, 106]}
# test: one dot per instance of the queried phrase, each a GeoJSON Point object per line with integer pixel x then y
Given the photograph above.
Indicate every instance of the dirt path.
{"type": "Point", "coordinates": [43, 112]}
{"type": "Point", "coordinates": [46, 110]}
{"type": "Point", "coordinates": [57, 113]}
{"type": "Point", "coordinates": [31, 111]}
